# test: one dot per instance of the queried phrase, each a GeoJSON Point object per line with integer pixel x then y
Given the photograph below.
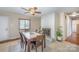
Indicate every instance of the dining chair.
{"type": "Point", "coordinates": [39, 41]}
{"type": "Point", "coordinates": [23, 41]}
{"type": "Point", "coordinates": [32, 43]}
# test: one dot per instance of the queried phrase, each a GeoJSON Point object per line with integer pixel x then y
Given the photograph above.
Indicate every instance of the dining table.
{"type": "Point", "coordinates": [30, 37]}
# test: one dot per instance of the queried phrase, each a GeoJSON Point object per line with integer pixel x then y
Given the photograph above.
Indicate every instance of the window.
{"type": "Point", "coordinates": [24, 24]}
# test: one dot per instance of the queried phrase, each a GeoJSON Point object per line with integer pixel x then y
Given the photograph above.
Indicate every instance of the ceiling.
{"type": "Point", "coordinates": [43, 10]}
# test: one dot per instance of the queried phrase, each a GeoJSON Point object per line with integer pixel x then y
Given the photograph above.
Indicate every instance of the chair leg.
{"type": "Point", "coordinates": [44, 43]}
{"type": "Point", "coordinates": [42, 46]}
{"type": "Point", "coordinates": [36, 47]}
{"type": "Point", "coordinates": [25, 48]}
{"type": "Point", "coordinates": [32, 46]}
{"type": "Point", "coordinates": [21, 45]}
{"type": "Point", "coordinates": [28, 48]}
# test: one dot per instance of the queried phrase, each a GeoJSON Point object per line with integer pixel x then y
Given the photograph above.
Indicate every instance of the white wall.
{"type": "Point", "coordinates": [14, 23]}
{"type": "Point", "coordinates": [53, 20]}
{"type": "Point", "coordinates": [69, 26]}
{"type": "Point", "coordinates": [4, 28]}
{"type": "Point", "coordinates": [63, 25]}
{"type": "Point", "coordinates": [48, 21]}
{"type": "Point", "coordinates": [65, 22]}
{"type": "Point", "coordinates": [35, 23]}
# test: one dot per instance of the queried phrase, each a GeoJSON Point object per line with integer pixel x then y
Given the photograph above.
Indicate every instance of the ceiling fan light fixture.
{"type": "Point", "coordinates": [32, 11]}
{"type": "Point", "coordinates": [33, 14]}
{"type": "Point", "coordinates": [73, 14]}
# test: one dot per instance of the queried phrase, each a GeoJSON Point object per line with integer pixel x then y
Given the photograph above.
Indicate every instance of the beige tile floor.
{"type": "Point", "coordinates": [14, 46]}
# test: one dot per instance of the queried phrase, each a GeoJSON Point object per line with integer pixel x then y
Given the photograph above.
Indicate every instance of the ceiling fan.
{"type": "Point", "coordinates": [32, 10]}
{"type": "Point", "coordinates": [73, 13]}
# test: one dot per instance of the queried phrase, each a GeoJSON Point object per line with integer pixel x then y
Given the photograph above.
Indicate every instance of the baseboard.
{"type": "Point", "coordinates": [9, 40]}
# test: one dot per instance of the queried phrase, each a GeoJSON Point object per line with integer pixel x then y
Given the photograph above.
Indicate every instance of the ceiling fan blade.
{"type": "Point", "coordinates": [77, 11]}
{"type": "Point", "coordinates": [24, 9]}
{"type": "Point", "coordinates": [35, 8]}
{"type": "Point", "coordinates": [68, 13]}
{"type": "Point", "coordinates": [38, 12]}
{"type": "Point", "coordinates": [77, 14]}
{"type": "Point", "coordinates": [26, 12]}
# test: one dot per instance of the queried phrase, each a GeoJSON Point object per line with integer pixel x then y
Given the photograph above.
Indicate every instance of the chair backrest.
{"type": "Point", "coordinates": [21, 36]}
{"type": "Point", "coordinates": [23, 39]}
{"type": "Point", "coordinates": [40, 37]}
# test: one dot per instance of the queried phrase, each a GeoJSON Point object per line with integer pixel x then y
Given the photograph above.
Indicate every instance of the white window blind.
{"type": "Point", "coordinates": [24, 24]}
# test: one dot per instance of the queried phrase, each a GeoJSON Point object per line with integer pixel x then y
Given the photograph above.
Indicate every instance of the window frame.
{"type": "Point", "coordinates": [29, 24]}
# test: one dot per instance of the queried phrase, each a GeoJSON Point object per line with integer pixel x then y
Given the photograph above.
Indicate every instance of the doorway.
{"type": "Point", "coordinates": [75, 26]}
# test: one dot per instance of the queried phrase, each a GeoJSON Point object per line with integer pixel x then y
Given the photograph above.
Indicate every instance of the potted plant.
{"type": "Point", "coordinates": [59, 34]}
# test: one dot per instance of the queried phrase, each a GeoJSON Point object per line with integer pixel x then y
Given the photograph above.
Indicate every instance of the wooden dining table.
{"type": "Point", "coordinates": [30, 37]}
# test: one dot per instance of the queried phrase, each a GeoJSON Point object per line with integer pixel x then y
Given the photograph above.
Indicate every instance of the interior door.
{"type": "Point", "coordinates": [77, 28]}
{"type": "Point", "coordinates": [3, 28]}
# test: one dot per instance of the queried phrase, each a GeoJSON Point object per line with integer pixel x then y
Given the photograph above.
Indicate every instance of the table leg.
{"type": "Point", "coordinates": [44, 43]}
{"type": "Point", "coordinates": [28, 47]}
{"type": "Point", "coordinates": [25, 47]}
